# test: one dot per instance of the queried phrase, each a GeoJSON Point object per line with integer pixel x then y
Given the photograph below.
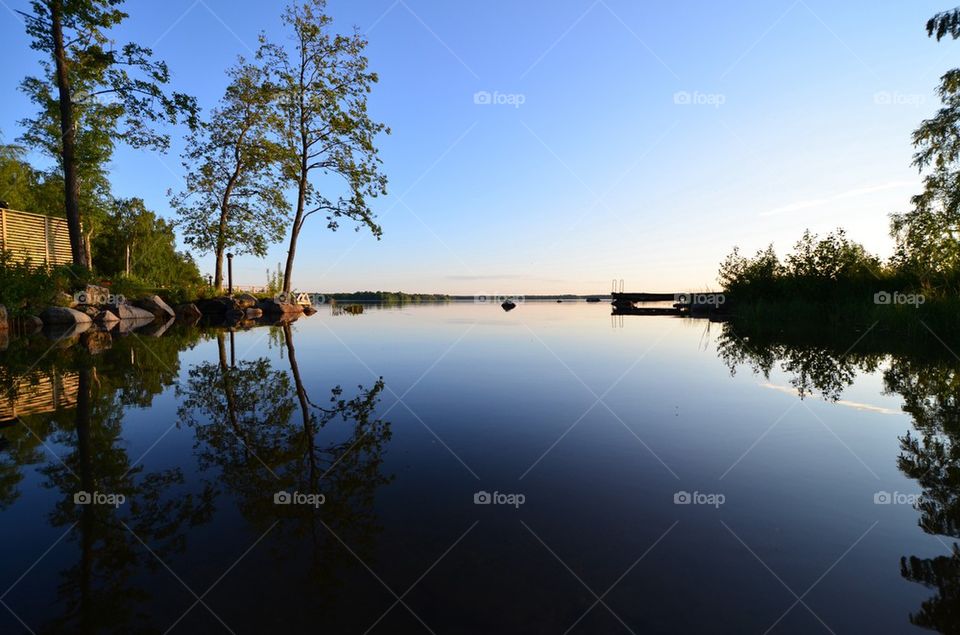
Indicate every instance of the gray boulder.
{"type": "Point", "coordinates": [156, 306]}
{"type": "Point", "coordinates": [106, 318]}
{"type": "Point", "coordinates": [62, 316]}
{"type": "Point", "coordinates": [130, 312]}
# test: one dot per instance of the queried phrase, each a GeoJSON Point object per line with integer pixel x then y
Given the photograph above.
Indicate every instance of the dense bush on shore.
{"type": "Point", "coordinates": [835, 281]}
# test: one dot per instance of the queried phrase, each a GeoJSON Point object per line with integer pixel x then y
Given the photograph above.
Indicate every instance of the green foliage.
{"type": "Point", "coordinates": [320, 94]}
{"type": "Point", "coordinates": [117, 91]}
{"type": "Point", "coordinates": [944, 23]}
{"type": "Point", "coordinates": [234, 197]}
{"type": "Point", "coordinates": [154, 259]}
{"type": "Point", "coordinates": [26, 288]}
{"type": "Point", "coordinates": [274, 281]}
{"type": "Point", "coordinates": [818, 270]}
{"type": "Point", "coordinates": [18, 180]}
{"type": "Point", "coordinates": [90, 95]}
{"type": "Point", "coordinates": [928, 236]}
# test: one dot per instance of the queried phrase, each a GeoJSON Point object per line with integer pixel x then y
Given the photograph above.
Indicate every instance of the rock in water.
{"type": "Point", "coordinates": [508, 306]}
{"type": "Point", "coordinates": [273, 307]}
{"type": "Point", "coordinates": [155, 305]}
{"type": "Point", "coordinates": [58, 315]}
{"type": "Point", "coordinates": [107, 319]}
{"type": "Point", "coordinates": [130, 312]}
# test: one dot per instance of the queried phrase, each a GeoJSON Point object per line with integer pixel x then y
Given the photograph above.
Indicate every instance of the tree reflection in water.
{"type": "Point", "coordinates": [928, 381]}
{"type": "Point", "coordinates": [257, 431]}
{"type": "Point", "coordinates": [248, 435]}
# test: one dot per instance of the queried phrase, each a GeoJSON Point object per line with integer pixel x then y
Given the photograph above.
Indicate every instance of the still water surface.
{"type": "Point", "coordinates": [655, 475]}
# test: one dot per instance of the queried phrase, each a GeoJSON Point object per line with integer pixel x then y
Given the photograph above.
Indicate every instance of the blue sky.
{"type": "Point", "coordinates": [634, 140]}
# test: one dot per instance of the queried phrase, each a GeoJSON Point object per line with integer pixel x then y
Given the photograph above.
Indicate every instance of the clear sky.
{"type": "Point", "coordinates": [634, 140]}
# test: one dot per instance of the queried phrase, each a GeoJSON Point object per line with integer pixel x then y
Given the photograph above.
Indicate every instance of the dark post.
{"type": "Point", "coordinates": [230, 274]}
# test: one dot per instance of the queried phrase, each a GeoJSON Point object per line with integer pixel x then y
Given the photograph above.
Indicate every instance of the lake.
{"type": "Point", "coordinates": [460, 469]}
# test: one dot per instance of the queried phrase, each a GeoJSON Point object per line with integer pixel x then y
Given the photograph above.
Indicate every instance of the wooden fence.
{"type": "Point", "coordinates": [47, 393]}
{"type": "Point", "coordinates": [45, 240]}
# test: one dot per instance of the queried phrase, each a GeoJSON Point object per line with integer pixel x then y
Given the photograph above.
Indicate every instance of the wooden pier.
{"type": "Point", "coordinates": [689, 304]}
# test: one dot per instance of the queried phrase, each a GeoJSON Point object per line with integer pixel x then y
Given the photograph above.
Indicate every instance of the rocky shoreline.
{"type": "Point", "coordinates": [92, 323]}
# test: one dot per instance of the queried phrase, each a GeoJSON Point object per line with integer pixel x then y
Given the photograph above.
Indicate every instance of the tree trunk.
{"type": "Point", "coordinates": [295, 231]}
{"type": "Point", "coordinates": [225, 213]}
{"type": "Point", "coordinates": [87, 484]}
{"type": "Point", "coordinates": [218, 272]}
{"type": "Point", "coordinates": [68, 132]}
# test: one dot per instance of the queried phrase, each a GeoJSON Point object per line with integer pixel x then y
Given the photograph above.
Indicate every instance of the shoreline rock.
{"type": "Point", "coordinates": [60, 316]}
{"type": "Point", "coordinates": [155, 305]}
{"type": "Point", "coordinates": [130, 312]}
{"type": "Point", "coordinates": [273, 307]}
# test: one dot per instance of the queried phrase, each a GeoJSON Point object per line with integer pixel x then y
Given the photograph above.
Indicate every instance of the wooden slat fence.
{"type": "Point", "coordinates": [45, 240]}
{"type": "Point", "coordinates": [47, 393]}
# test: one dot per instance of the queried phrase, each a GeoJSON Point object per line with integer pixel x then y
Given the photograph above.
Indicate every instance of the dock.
{"type": "Point", "coordinates": [689, 304]}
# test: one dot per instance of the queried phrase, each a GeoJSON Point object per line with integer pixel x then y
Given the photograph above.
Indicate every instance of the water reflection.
{"type": "Point", "coordinates": [928, 381]}
{"type": "Point", "coordinates": [259, 433]}
{"type": "Point", "coordinates": [256, 431]}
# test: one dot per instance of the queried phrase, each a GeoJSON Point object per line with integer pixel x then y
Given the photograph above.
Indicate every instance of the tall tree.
{"type": "Point", "coordinates": [92, 94]}
{"type": "Point", "coordinates": [928, 236]}
{"type": "Point", "coordinates": [320, 93]}
{"type": "Point", "coordinates": [234, 196]}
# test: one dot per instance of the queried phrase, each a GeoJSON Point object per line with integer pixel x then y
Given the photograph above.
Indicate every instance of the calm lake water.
{"type": "Point", "coordinates": [459, 469]}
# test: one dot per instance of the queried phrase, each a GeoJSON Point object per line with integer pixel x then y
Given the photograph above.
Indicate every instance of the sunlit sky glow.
{"type": "Point", "coordinates": [634, 140]}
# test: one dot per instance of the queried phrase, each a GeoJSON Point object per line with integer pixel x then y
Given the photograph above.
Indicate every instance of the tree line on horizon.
{"type": "Point", "coordinates": [290, 138]}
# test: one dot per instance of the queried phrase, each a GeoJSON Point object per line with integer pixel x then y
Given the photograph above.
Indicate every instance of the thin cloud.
{"type": "Point", "coordinates": [856, 405]}
{"type": "Point", "coordinates": [860, 191]}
